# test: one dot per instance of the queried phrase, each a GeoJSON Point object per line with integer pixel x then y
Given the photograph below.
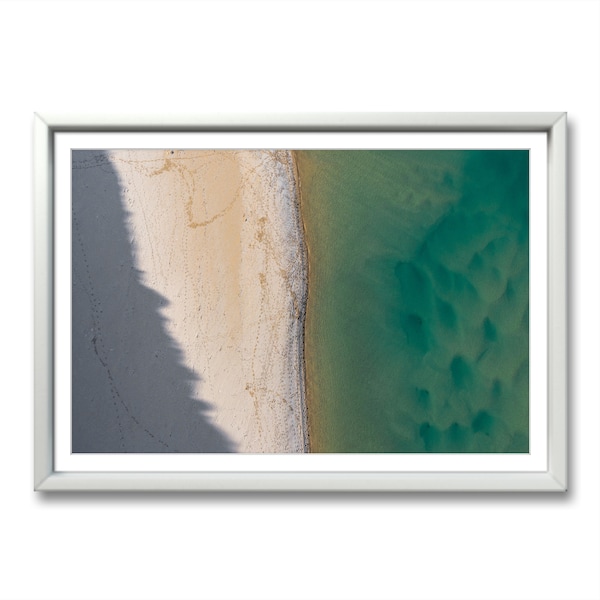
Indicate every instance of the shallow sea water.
{"type": "Point", "coordinates": [417, 329]}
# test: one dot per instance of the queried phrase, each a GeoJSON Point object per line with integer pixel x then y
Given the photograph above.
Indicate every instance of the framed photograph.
{"type": "Point", "coordinates": [310, 302]}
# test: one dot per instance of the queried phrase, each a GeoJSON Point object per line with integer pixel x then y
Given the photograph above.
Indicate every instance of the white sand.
{"type": "Point", "coordinates": [218, 235]}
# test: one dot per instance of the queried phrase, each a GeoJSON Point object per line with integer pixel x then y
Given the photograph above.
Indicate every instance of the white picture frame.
{"type": "Point", "coordinates": [553, 477]}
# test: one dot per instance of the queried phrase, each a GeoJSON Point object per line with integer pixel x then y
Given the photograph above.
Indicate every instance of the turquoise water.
{"type": "Point", "coordinates": [417, 330]}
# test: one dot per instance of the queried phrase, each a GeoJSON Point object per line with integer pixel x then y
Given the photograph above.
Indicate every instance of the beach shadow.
{"type": "Point", "coordinates": [131, 390]}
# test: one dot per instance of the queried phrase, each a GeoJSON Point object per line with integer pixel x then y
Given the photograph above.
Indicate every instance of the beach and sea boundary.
{"type": "Point", "coordinates": [277, 301]}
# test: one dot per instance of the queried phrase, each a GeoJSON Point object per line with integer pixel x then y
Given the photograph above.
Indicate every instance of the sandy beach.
{"type": "Point", "coordinates": [216, 253]}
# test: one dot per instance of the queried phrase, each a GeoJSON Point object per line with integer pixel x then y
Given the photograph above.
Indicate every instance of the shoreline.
{"type": "Point", "coordinates": [301, 335]}
{"type": "Point", "coordinates": [306, 268]}
{"type": "Point", "coordinates": [285, 245]}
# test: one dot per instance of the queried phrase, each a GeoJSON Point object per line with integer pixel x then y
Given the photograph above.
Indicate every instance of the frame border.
{"type": "Point", "coordinates": [554, 124]}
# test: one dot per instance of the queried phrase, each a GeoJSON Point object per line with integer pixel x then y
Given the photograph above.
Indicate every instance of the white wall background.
{"type": "Point", "coordinates": [298, 56]}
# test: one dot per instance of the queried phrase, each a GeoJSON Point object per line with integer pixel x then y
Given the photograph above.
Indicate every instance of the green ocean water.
{"type": "Point", "coordinates": [417, 325]}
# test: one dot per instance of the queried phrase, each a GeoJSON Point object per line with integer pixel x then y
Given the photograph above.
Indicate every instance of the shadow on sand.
{"type": "Point", "coordinates": [131, 391]}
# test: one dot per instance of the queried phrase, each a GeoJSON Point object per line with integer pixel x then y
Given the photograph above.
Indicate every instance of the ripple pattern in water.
{"type": "Point", "coordinates": [417, 331]}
